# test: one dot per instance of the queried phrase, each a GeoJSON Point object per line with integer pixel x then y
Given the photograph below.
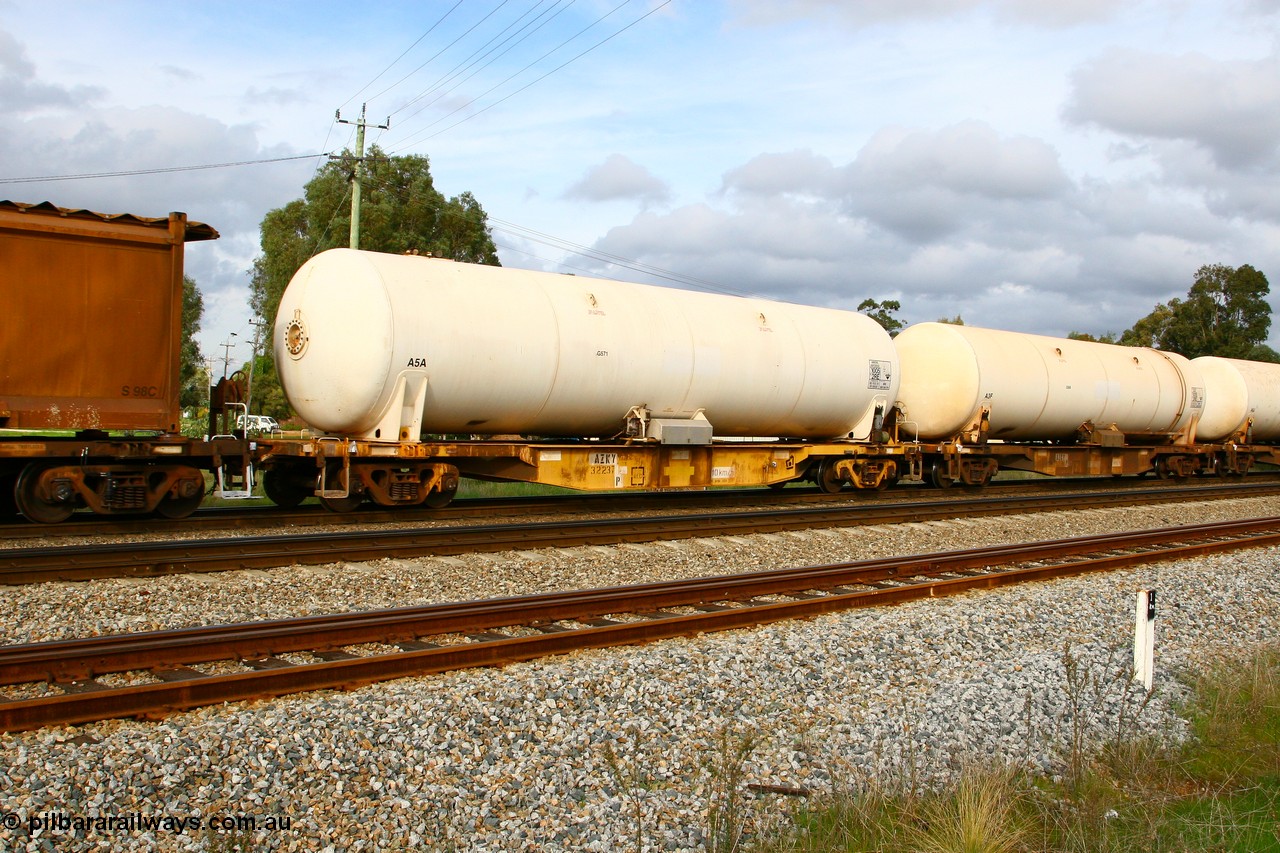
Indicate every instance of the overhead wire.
{"type": "Point", "coordinates": [239, 163]}
{"type": "Point", "coordinates": [318, 239]}
{"type": "Point", "coordinates": [419, 138]}
{"type": "Point", "coordinates": [378, 76]}
{"type": "Point", "coordinates": [508, 248]}
{"type": "Point", "coordinates": [128, 173]}
{"type": "Point", "coordinates": [477, 56]}
{"type": "Point", "coordinates": [527, 29]}
{"type": "Point", "coordinates": [522, 232]}
{"type": "Point", "coordinates": [652, 270]}
{"type": "Point", "coordinates": [533, 235]}
{"type": "Point", "coordinates": [442, 50]}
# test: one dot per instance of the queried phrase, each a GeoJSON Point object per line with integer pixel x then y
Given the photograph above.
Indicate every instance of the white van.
{"type": "Point", "coordinates": [257, 424]}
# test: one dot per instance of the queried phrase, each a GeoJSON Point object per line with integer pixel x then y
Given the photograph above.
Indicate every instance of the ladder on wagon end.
{"type": "Point", "coordinates": [232, 480]}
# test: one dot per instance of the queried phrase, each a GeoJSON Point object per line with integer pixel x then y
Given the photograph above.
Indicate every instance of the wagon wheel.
{"type": "Point", "coordinates": [888, 482]}
{"type": "Point", "coordinates": [34, 505]}
{"type": "Point", "coordinates": [171, 507]}
{"type": "Point", "coordinates": [828, 479]}
{"type": "Point", "coordinates": [283, 489]}
{"type": "Point", "coordinates": [184, 494]}
{"type": "Point", "coordinates": [981, 482]}
{"type": "Point", "coordinates": [1224, 470]}
{"type": "Point", "coordinates": [441, 498]}
{"type": "Point", "coordinates": [8, 503]}
{"type": "Point", "coordinates": [938, 476]}
{"type": "Point", "coordinates": [347, 504]}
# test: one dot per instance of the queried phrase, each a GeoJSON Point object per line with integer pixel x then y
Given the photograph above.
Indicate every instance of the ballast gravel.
{"type": "Point", "coordinates": [631, 748]}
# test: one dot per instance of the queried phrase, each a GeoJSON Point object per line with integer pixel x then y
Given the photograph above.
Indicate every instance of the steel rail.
{"type": "Point", "coordinates": [169, 652]}
{"type": "Point", "coordinates": [117, 653]}
{"type": "Point", "coordinates": [34, 565]}
{"type": "Point", "coordinates": [312, 515]}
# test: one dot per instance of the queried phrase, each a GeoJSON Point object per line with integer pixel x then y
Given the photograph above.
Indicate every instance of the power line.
{"type": "Point", "coordinates": [616, 260]}
{"type": "Point", "coordinates": [156, 171]}
{"type": "Point", "coordinates": [525, 31]}
{"type": "Point", "coordinates": [511, 77]}
{"type": "Point", "coordinates": [437, 54]}
{"type": "Point", "coordinates": [412, 140]}
{"type": "Point", "coordinates": [533, 235]}
{"type": "Point", "coordinates": [429, 31]}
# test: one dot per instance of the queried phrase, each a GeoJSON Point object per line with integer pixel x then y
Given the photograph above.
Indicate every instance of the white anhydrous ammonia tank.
{"type": "Point", "coordinates": [1040, 388]}
{"type": "Point", "coordinates": [1236, 391]}
{"type": "Point", "coordinates": [367, 344]}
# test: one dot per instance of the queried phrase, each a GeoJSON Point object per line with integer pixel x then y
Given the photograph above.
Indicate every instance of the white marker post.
{"type": "Point", "coordinates": [1144, 638]}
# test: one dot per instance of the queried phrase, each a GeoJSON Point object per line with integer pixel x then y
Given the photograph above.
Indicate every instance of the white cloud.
{"type": "Point", "coordinates": [1230, 108]}
{"type": "Point", "coordinates": [795, 172]}
{"type": "Point", "coordinates": [920, 185]}
{"type": "Point", "coordinates": [969, 158]}
{"type": "Point", "coordinates": [618, 177]}
{"type": "Point", "coordinates": [866, 13]}
{"type": "Point", "coordinates": [985, 225]}
{"type": "Point", "coordinates": [924, 185]}
{"type": "Point", "coordinates": [21, 93]}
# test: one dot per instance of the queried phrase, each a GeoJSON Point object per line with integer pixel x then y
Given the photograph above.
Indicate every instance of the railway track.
{"type": "Point", "coordinates": [314, 653]}
{"type": "Point", "coordinates": [140, 559]}
{"type": "Point", "coordinates": [269, 517]}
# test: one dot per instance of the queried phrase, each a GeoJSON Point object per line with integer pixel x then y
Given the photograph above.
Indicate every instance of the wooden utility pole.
{"type": "Point", "coordinates": [357, 170]}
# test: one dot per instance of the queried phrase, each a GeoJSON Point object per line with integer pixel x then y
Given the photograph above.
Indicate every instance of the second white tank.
{"type": "Point", "coordinates": [1236, 392]}
{"type": "Point", "coordinates": [1037, 388]}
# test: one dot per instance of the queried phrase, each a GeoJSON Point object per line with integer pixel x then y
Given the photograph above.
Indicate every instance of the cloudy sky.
{"type": "Point", "coordinates": [1039, 165]}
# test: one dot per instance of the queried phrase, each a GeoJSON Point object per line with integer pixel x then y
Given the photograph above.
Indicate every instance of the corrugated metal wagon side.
{"type": "Point", "coordinates": [91, 332]}
{"type": "Point", "coordinates": [90, 355]}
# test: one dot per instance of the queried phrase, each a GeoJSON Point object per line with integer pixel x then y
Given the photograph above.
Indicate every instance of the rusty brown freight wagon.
{"type": "Point", "coordinates": [90, 353]}
{"type": "Point", "coordinates": [91, 329]}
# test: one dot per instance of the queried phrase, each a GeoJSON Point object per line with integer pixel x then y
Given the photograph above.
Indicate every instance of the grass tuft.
{"type": "Point", "coordinates": [1217, 791]}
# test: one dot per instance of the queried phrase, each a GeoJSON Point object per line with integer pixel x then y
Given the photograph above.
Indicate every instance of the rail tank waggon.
{"type": "Point", "coordinates": [963, 380]}
{"type": "Point", "coordinates": [399, 359]}
{"type": "Point", "coordinates": [972, 386]}
{"type": "Point", "coordinates": [412, 372]}
{"type": "Point", "coordinates": [386, 346]}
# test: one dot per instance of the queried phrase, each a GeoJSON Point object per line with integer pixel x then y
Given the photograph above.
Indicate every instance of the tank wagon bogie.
{"type": "Point", "coordinates": [49, 478]}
